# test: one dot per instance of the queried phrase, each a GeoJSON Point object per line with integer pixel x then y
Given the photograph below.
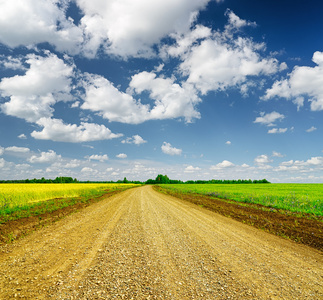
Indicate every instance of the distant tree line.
{"type": "Point", "coordinates": [160, 179]}
{"type": "Point", "coordinates": [43, 180]}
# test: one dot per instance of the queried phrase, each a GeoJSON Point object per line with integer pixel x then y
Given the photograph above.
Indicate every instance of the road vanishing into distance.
{"type": "Point", "coordinates": [141, 244]}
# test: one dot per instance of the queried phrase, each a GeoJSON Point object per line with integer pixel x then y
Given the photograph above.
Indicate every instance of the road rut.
{"type": "Point", "coordinates": [141, 244]}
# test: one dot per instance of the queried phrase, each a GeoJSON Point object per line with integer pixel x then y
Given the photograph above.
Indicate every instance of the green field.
{"type": "Point", "coordinates": [304, 198]}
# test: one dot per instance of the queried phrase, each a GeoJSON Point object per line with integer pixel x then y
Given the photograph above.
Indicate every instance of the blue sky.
{"type": "Point", "coordinates": [198, 89]}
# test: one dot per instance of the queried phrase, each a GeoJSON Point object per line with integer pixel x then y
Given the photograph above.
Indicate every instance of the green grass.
{"type": "Point", "coordinates": [303, 198]}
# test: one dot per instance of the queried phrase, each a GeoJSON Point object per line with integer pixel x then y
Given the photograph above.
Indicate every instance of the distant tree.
{"type": "Point", "coordinates": [162, 179]}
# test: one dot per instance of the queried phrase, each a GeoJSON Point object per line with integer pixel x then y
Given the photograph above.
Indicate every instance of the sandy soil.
{"type": "Point", "coordinates": [141, 244]}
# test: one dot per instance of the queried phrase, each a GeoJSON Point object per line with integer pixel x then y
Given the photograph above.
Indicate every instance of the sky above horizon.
{"type": "Point", "coordinates": [195, 89]}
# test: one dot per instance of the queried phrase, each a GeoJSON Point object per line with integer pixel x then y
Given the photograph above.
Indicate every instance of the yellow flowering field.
{"type": "Point", "coordinates": [19, 194]}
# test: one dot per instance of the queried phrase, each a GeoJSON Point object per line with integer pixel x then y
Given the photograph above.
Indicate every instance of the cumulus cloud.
{"type": "Point", "coordinates": [311, 129]}
{"type": "Point", "coordinates": [122, 155]}
{"type": "Point", "coordinates": [307, 166]}
{"type": "Point", "coordinates": [214, 65]}
{"type": "Point", "coordinates": [167, 148]}
{"type": "Point", "coordinates": [130, 28]}
{"type": "Point", "coordinates": [101, 96]}
{"type": "Point", "coordinates": [277, 154]}
{"type": "Point", "coordinates": [171, 99]}
{"type": "Point", "coordinates": [13, 63]}
{"type": "Point", "coordinates": [220, 60]}
{"type": "Point", "coordinates": [56, 130]}
{"type": "Point", "coordinates": [32, 95]}
{"type": "Point", "coordinates": [100, 158]}
{"type": "Point", "coordinates": [234, 22]}
{"type": "Point", "coordinates": [119, 27]}
{"type": "Point", "coordinates": [2, 162]}
{"type": "Point", "coordinates": [135, 139]}
{"type": "Point", "coordinates": [1, 150]}
{"type": "Point", "coordinates": [185, 41]}
{"type": "Point", "coordinates": [22, 136]}
{"type": "Point", "coordinates": [228, 143]}
{"type": "Point", "coordinates": [222, 165]}
{"type": "Point", "coordinates": [262, 160]}
{"type": "Point", "coordinates": [88, 170]}
{"type": "Point", "coordinates": [30, 22]}
{"type": "Point", "coordinates": [16, 149]}
{"type": "Point", "coordinates": [277, 130]}
{"type": "Point", "coordinates": [191, 169]}
{"type": "Point", "coordinates": [45, 157]}
{"type": "Point", "coordinates": [301, 82]}
{"type": "Point", "coordinates": [269, 119]}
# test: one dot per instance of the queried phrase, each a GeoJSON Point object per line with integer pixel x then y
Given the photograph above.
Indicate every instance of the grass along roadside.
{"type": "Point", "coordinates": [302, 228]}
{"type": "Point", "coordinates": [18, 221]}
{"type": "Point", "coordinates": [300, 198]}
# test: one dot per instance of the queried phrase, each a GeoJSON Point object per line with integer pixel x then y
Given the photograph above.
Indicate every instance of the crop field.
{"type": "Point", "coordinates": [303, 198]}
{"type": "Point", "coordinates": [15, 196]}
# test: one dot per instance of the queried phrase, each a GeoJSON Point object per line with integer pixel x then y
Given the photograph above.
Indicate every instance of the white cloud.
{"type": "Point", "coordinates": [269, 119]}
{"type": "Point", "coordinates": [75, 104]}
{"type": "Point", "coordinates": [277, 154]}
{"type": "Point", "coordinates": [13, 63]}
{"type": "Point", "coordinates": [185, 41]}
{"type": "Point", "coordinates": [45, 157]}
{"type": "Point", "coordinates": [223, 165]}
{"type": "Point", "coordinates": [2, 162]}
{"type": "Point", "coordinates": [228, 143]}
{"type": "Point", "coordinates": [29, 22]}
{"type": "Point", "coordinates": [262, 159]}
{"type": "Point", "coordinates": [171, 99]}
{"type": "Point", "coordinates": [88, 170]}
{"type": "Point", "coordinates": [122, 155]}
{"type": "Point", "coordinates": [316, 161]}
{"type": "Point", "coordinates": [56, 130]}
{"type": "Point", "coordinates": [74, 163]}
{"type": "Point", "coordinates": [101, 96]}
{"type": "Point", "coordinates": [277, 130]}
{"type": "Point", "coordinates": [130, 28]}
{"type": "Point", "coordinates": [47, 81]}
{"type": "Point", "coordinates": [214, 65]}
{"type": "Point", "coordinates": [135, 139]}
{"type": "Point", "coordinates": [222, 60]}
{"type": "Point", "coordinates": [159, 68]}
{"type": "Point", "coordinates": [22, 136]}
{"type": "Point", "coordinates": [100, 158]}
{"type": "Point", "coordinates": [1, 150]}
{"type": "Point", "coordinates": [311, 129]}
{"type": "Point", "coordinates": [17, 149]}
{"type": "Point", "coordinates": [168, 149]}
{"type": "Point", "coordinates": [302, 81]}
{"type": "Point", "coordinates": [302, 167]}
{"type": "Point", "coordinates": [191, 169]}
{"type": "Point", "coordinates": [22, 166]}
{"type": "Point", "coordinates": [234, 22]}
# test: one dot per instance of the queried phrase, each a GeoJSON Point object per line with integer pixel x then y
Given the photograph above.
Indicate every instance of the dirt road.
{"type": "Point", "coordinates": [141, 244]}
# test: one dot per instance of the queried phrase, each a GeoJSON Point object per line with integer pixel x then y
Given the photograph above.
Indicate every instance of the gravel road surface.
{"type": "Point", "coordinates": [141, 244]}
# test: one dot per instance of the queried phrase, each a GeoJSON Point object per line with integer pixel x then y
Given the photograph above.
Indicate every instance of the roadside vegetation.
{"type": "Point", "coordinates": [300, 198]}
{"type": "Point", "coordinates": [19, 200]}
